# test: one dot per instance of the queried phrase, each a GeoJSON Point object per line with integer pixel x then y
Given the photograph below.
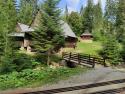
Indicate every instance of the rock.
{"type": "Point", "coordinates": [63, 63]}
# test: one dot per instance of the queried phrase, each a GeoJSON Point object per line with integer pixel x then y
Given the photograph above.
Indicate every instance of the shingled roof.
{"type": "Point", "coordinates": [67, 31]}
{"type": "Point", "coordinates": [86, 34]}
{"type": "Point", "coordinates": [25, 28]}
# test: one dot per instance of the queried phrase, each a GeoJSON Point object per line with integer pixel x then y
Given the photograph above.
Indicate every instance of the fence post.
{"type": "Point", "coordinates": [78, 58]}
{"type": "Point", "coordinates": [104, 62]}
{"type": "Point", "coordinates": [62, 55]}
{"type": "Point", "coordinates": [93, 66]}
{"type": "Point", "coordinates": [70, 56]}
{"type": "Point", "coordinates": [89, 59]}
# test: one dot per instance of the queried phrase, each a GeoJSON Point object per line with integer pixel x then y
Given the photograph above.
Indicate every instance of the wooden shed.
{"type": "Point", "coordinates": [70, 37]}
{"type": "Point", "coordinates": [86, 37]}
{"type": "Point", "coordinates": [22, 36]}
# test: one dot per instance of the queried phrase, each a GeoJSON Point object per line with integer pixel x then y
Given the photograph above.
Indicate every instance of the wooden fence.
{"type": "Point", "coordinates": [83, 59]}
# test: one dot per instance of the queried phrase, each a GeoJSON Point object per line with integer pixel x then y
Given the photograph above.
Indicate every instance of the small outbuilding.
{"type": "Point", "coordinates": [22, 36]}
{"type": "Point", "coordinates": [70, 37]}
{"type": "Point", "coordinates": [86, 37]}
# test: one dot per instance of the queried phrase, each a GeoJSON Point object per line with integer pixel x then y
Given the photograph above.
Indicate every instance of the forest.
{"type": "Point", "coordinates": [16, 68]}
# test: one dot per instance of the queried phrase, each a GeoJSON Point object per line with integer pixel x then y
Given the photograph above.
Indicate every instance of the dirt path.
{"type": "Point", "coordinates": [92, 76]}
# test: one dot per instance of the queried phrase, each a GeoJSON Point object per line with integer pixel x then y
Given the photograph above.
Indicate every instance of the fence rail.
{"type": "Point", "coordinates": [83, 59]}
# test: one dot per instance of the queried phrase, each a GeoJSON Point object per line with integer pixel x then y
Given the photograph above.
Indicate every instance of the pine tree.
{"type": "Point", "coordinates": [66, 14]}
{"type": "Point", "coordinates": [81, 11]}
{"type": "Point", "coordinates": [120, 21]}
{"type": "Point", "coordinates": [110, 16]}
{"type": "Point", "coordinates": [75, 23]}
{"type": "Point", "coordinates": [110, 50]}
{"type": "Point", "coordinates": [7, 21]}
{"type": "Point", "coordinates": [87, 18]}
{"type": "Point", "coordinates": [48, 35]}
{"type": "Point", "coordinates": [120, 25]}
{"type": "Point", "coordinates": [97, 20]}
{"type": "Point", "coordinates": [7, 25]}
{"type": "Point", "coordinates": [123, 50]}
{"type": "Point", "coordinates": [27, 10]}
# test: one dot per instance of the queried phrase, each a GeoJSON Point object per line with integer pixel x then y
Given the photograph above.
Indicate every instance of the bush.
{"type": "Point", "coordinates": [22, 61]}
{"type": "Point", "coordinates": [40, 58]}
{"type": "Point", "coordinates": [111, 50]}
{"type": "Point", "coordinates": [6, 65]}
{"type": "Point", "coordinates": [55, 58]}
{"type": "Point", "coordinates": [30, 77]}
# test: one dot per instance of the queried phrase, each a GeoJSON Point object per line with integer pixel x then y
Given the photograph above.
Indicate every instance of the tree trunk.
{"type": "Point", "coordinates": [48, 56]}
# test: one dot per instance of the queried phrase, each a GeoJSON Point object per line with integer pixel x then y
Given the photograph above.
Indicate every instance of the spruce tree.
{"type": "Point", "coordinates": [110, 16]}
{"type": "Point", "coordinates": [48, 35]}
{"type": "Point", "coordinates": [7, 25]}
{"type": "Point", "coordinates": [110, 50]}
{"type": "Point", "coordinates": [81, 10]}
{"type": "Point", "coordinates": [7, 22]}
{"type": "Point", "coordinates": [27, 10]}
{"type": "Point", "coordinates": [87, 17]}
{"type": "Point", "coordinates": [120, 26]}
{"type": "Point", "coordinates": [120, 21]}
{"type": "Point", "coordinates": [123, 50]}
{"type": "Point", "coordinates": [75, 23]}
{"type": "Point", "coordinates": [97, 20]}
{"type": "Point", "coordinates": [66, 13]}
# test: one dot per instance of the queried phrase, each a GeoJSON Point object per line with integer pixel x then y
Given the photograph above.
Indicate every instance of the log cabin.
{"type": "Point", "coordinates": [70, 37]}
{"type": "Point", "coordinates": [86, 37]}
{"type": "Point", "coordinates": [22, 36]}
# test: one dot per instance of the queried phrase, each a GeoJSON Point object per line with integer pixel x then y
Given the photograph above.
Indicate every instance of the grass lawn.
{"type": "Point", "coordinates": [89, 48]}
{"type": "Point", "coordinates": [86, 48]}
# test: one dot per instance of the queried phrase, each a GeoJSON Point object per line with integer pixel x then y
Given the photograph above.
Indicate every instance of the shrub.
{"type": "Point", "coordinates": [110, 50]}
{"type": "Point", "coordinates": [22, 61]}
{"type": "Point", "coordinates": [30, 77]}
{"type": "Point", "coordinates": [6, 65]}
{"type": "Point", "coordinates": [55, 58]}
{"type": "Point", "coordinates": [42, 58]}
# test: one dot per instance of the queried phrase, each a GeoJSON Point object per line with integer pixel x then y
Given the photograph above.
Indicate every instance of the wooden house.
{"type": "Point", "coordinates": [22, 36]}
{"type": "Point", "coordinates": [70, 37]}
{"type": "Point", "coordinates": [86, 37]}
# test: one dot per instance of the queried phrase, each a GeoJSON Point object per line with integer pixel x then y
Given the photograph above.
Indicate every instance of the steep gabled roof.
{"type": "Point", "coordinates": [86, 34]}
{"type": "Point", "coordinates": [25, 28]}
{"type": "Point", "coordinates": [67, 31]}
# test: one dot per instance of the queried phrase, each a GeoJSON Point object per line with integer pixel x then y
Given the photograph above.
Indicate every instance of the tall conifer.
{"type": "Point", "coordinates": [27, 10]}
{"type": "Point", "coordinates": [75, 22]}
{"type": "Point", "coordinates": [87, 18]}
{"type": "Point", "coordinates": [97, 20]}
{"type": "Point", "coordinates": [48, 35]}
{"type": "Point", "coordinates": [120, 21]}
{"type": "Point", "coordinates": [7, 25]}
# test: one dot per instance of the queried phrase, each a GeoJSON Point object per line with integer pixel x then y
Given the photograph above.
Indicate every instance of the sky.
{"type": "Point", "coordinates": [75, 5]}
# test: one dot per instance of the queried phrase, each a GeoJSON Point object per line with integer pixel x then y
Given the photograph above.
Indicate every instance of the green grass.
{"type": "Point", "coordinates": [35, 78]}
{"type": "Point", "coordinates": [86, 48]}
{"type": "Point", "coordinates": [89, 48]}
